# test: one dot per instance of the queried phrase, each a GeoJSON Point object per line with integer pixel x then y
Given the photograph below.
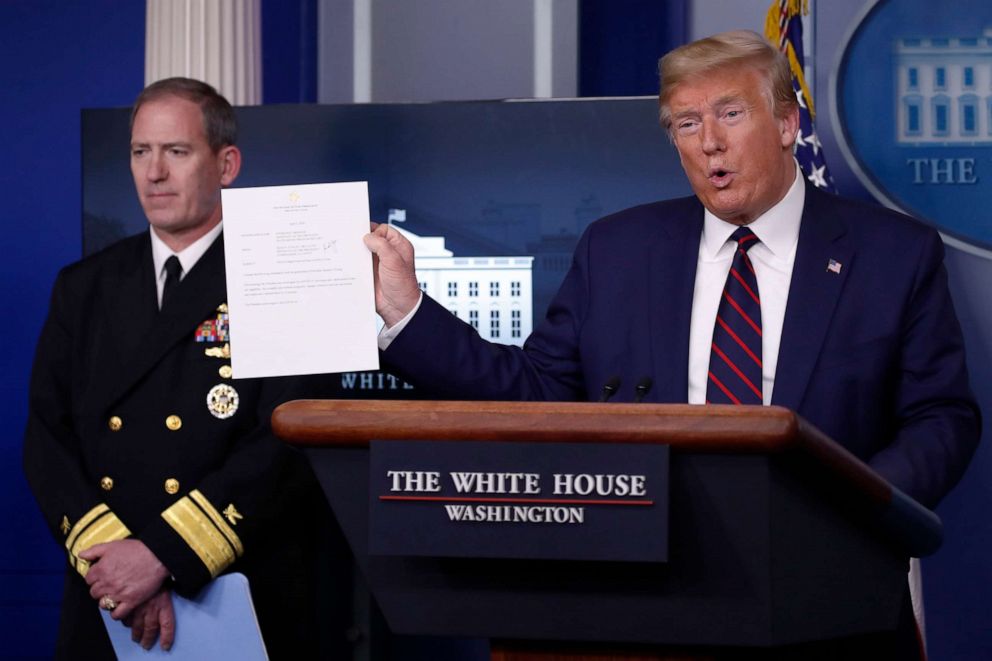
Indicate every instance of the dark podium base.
{"type": "Point", "coordinates": [760, 557]}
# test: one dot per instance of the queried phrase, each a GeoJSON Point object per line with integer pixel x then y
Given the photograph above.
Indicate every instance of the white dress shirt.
{"type": "Point", "coordinates": [387, 335]}
{"type": "Point", "coordinates": [772, 258]}
{"type": "Point", "coordinates": [188, 257]}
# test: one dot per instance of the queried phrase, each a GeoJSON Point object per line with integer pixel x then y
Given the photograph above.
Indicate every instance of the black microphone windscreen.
{"type": "Point", "coordinates": [642, 388]}
{"type": "Point", "coordinates": [610, 388]}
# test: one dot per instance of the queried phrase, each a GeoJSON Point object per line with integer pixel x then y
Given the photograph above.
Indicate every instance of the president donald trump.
{"type": "Point", "coordinates": [759, 289]}
{"type": "Point", "coordinates": [838, 309]}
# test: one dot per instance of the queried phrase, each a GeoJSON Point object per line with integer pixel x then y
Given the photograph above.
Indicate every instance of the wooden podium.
{"type": "Point", "coordinates": [778, 536]}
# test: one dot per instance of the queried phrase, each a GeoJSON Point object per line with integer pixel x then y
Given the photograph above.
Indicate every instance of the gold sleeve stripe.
{"type": "Point", "coordinates": [98, 526]}
{"type": "Point", "coordinates": [84, 521]}
{"type": "Point", "coordinates": [107, 528]}
{"type": "Point", "coordinates": [218, 520]}
{"type": "Point", "coordinates": [199, 532]}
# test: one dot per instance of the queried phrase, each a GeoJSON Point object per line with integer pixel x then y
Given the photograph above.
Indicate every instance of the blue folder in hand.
{"type": "Point", "coordinates": [219, 623]}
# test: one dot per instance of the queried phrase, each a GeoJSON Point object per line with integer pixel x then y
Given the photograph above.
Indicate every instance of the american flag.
{"type": "Point", "coordinates": [784, 28]}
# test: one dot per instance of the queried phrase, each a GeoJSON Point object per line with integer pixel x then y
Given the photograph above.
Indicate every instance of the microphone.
{"type": "Point", "coordinates": [610, 388]}
{"type": "Point", "coordinates": [642, 388]}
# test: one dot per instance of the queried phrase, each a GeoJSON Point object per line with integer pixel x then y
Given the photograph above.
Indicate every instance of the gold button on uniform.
{"type": "Point", "coordinates": [174, 422]}
{"type": "Point", "coordinates": [115, 423]}
{"type": "Point", "coordinates": [172, 486]}
{"type": "Point", "coordinates": [225, 371]}
{"type": "Point", "coordinates": [106, 483]}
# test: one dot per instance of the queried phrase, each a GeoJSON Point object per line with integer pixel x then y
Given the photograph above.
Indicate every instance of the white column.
{"type": "Point", "coordinates": [362, 53]}
{"type": "Point", "coordinates": [543, 48]}
{"type": "Point", "coordinates": [216, 41]}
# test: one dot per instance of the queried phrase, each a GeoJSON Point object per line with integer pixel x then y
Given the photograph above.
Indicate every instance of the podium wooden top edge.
{"type": "Point", "coordinates": [329, 423]}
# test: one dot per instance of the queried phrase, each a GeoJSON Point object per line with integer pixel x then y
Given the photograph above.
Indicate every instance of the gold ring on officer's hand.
{"type": "Point", "coordinates": [106, 603]}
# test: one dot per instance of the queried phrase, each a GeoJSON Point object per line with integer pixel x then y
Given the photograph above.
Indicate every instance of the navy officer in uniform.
{"type": "Point", "coordinates": [153, 468]}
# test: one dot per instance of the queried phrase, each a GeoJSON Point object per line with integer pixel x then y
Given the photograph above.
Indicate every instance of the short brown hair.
{"type": "Point", "coordinates": [219, 122]}
{"type": "Point", "coordinates": [727, 49]}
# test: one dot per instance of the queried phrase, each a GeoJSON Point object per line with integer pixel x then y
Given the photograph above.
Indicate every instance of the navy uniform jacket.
{"type": "Point", "coordinates": [120, 442]}
{"type": "Point", "coordinates": [872, 355]}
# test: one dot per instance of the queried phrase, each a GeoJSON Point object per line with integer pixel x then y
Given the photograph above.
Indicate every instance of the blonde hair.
{"type": "Point", "coordinates": [738, 48]}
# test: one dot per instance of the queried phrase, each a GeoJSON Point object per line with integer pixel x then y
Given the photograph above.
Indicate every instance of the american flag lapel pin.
{"type": "Point", "coordinates": [834, 266]}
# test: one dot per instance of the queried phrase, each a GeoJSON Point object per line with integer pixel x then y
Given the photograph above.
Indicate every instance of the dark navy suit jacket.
{"type": "Point", "coordinates": [872, 355]}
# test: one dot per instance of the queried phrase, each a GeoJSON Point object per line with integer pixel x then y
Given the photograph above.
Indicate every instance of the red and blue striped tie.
{"type": "Point", "coordinates": [735, 356]}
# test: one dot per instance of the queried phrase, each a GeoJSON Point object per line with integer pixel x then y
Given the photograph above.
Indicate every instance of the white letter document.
{"type": "Point", "coordinates": [299, 280]}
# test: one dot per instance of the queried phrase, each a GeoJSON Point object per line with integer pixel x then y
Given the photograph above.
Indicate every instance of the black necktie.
{"type": "Point", "coordinates": [735, 358]}
{"type": "Point", "coordinates": [173, 270]}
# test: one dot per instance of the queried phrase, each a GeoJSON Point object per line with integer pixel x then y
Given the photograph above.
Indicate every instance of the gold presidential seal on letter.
{"type": "Point", "coordinates": [222, 401]}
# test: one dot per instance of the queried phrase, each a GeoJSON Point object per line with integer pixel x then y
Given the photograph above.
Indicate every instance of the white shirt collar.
{"type": "Point", "coordinates": [188, 257]}
{"type": "Point", "coordinates": [777, 228]}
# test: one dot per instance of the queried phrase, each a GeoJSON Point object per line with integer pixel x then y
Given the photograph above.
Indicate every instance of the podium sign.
{"type": "Point", "coordinates": [562, 501]}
